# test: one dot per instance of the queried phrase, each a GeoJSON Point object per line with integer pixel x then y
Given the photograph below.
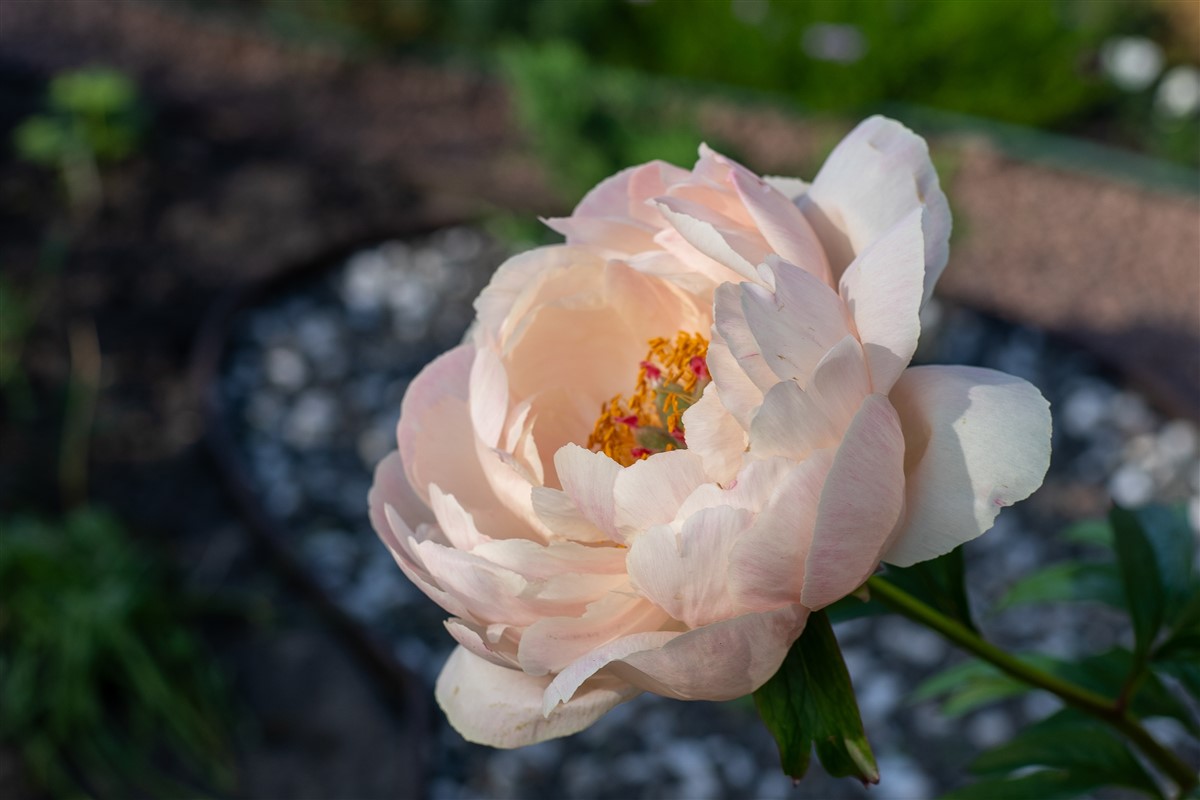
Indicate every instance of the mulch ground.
{"type": "Point", "coordinates": [266, 156]}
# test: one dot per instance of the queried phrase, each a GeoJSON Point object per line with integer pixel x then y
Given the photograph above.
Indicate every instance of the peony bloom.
{"type": "Point", "coordinates": [666, 441]}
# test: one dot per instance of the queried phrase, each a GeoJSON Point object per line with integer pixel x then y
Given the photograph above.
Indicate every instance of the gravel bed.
{"type": "Point", "coordinates": [312, 387]}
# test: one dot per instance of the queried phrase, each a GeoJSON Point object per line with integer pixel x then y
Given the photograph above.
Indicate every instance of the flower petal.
{"type": "Point", "coordinates": [785, 228]}
{"type": "Point", "coordinates": [551, 644]}
{"type": "Point", "coordinates": [488, 396]}
{"type": "Point", "coordinates": [715, 436]}
{"type": "Point", "coordinates": [795, 325]}
{"type": "Point", "coordinates": [883, 289]}
{"type": "Point", "coordinates": [977, 440]}
{"type": "Point", "coordinates": [790, 423]}
{"type": "Point", "coordinates": [766, 565]}
{"type": "Point", "coordinates": [861, 505]}
{"type": "Point", "coordinates": [721, 661]}
{"type": "Point", "coordinates": [590, 478]}
{"type": "Point", "coordinates": [649, 492]}
{"type": "Point", "coordinates": [500, 707]}
{"type": "Point", "coordinates": [874, 178]}
{"type": "Point", "coordinates": [391, 487]}
{"type": "Point", "coordinates": [685, 572]}
{"type": "Point", "coordinates": [718, 245]}
{"type": "Point", "coordinates": [736, 390]}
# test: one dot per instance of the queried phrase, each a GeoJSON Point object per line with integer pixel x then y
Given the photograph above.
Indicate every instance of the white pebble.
{"type": "Point", "coordinates": [1131, 486]}
{"type": "Point", "coordinates": [285, 368]}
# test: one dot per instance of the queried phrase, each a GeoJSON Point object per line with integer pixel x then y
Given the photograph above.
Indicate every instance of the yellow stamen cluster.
{"type": "Point", "coordinates": [671, 378]}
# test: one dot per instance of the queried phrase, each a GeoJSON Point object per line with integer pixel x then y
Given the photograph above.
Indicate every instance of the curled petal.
{"type": "Point", "coordinates": [976, 441]}
{"type": "Point", "coordinates": [721, 661]}
{"type": "Point", "coordinates": [501, 707]}
{"type": "Point", "coordinates": [784, 227]}
{"type": "Point", "coordinates": [874, 178]}
{"type": "Point", "coordinates": [883, 287]}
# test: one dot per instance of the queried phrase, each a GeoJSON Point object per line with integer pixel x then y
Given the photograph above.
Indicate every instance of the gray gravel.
{"type": "Point", "coordinates": [313, 384]}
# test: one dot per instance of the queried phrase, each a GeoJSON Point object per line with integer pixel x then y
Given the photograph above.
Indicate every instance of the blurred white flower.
{"type": "Point", "coordinates": [1178, 94]}
{"type": "Point", "coordinates": [1133, 62]}
{"type": "Point", "coordinates": [842, 44]}
{"type": "Point", "coordinates": [751, 12]}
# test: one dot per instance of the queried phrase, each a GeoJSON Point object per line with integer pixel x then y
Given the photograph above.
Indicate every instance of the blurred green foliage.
{"type": "Point", "coordinates": [588, 123]}
{"type": "Point", "coordinates": [1035, 64]}
{"type": "Point", "coordinates": [102, 689]}
{"type": "Point", "coordinates": [1139, 562]}
{"type": "Point", "coordinates": [92, 113]}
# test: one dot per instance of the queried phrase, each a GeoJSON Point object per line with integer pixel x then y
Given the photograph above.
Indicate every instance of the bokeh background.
{"type": "Point", "coordinates": [231, 232]}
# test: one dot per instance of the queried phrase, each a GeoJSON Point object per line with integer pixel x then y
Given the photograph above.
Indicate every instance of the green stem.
{"type": "Point", "coordinates": [1085, 700]}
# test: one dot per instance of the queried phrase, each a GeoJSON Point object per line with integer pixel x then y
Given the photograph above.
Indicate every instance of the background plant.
{"type": "Point", "coordinates": [103, 689]}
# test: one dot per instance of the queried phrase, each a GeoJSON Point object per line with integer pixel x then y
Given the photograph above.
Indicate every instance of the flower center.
{"type": "Point", "coordinates": [671, 378]}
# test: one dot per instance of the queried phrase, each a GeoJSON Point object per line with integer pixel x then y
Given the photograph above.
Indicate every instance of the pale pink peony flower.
{"type": "Point", "coordinates": [666, 441]}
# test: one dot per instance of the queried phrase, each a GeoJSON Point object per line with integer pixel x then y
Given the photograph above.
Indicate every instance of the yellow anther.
{"type": "Point", "coordinates": [669, 380]}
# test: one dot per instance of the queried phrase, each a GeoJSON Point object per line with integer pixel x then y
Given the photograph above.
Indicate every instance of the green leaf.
{"type": "Point", "coordinates": [1090, 531]}
{"type": "Point", "coordinates": [1069, 741]}
{"type": "Point", "coordinates": [1145, 596]}
{"type": "Point", "coordinates": [1107, 674]}
{"type": "Point", "coordinates": [1169, 535]}
{"type": "Point", "coordinates": [1047, 784]}
{"type": "Point", "coordinates": [968, 686]}
{"type": "Point", "coordinates": [1072, 581]}
{"type": "Point", "coordinates": [939, 583]}
{"type": "Point", "coordinates": [810, 700]}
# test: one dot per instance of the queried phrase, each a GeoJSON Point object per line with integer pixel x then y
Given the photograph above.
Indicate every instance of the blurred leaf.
{"type": "Point", "coordinates": [1170, 537]}
{"type": "Point", "coordinates": [1141, 575]}
{"type": "Point", "coordinates": [971, 684]}
{"type": "Point", "coordinates": [1047, 784]}
{"type": "Point", "coordinates": [974, 683]}
{"type": "Point", "coordinates": [1090, 531]}
{"type": "Point", "coordinates": [43, 140]}
{"type": "Point", "coordinates": [810, 701]}
{"type": "Point", "coordinates": [1070, 741]}
{"type": "Point", "coordinates": [1108, 673]}
{"type": "Point", "coordinates": [1070, 581]}
{"type": "Point", "coordinates": [101, 684]}
{"type": "Point", "coordinates": [96, 91]}
{"type": "Point", "coordinates": [939, 583]}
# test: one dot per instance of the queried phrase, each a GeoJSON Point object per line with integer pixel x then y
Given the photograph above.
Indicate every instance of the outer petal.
{"type": "Point", "coordinates": [500, 707]}
{"type": "Point", "coordinates": [976, 440]}
{"type": "Point", "coordinates": [551, 644]}
{"type": "Point", "coordinates": [721, 661]}
{"type": "Point", "coordinates": [861, 505]}
{"type": "Point", "coordinates": [391, 487]}
{"type": "Point", "coordinates": [883, 289]}
{"type": "Point", "coordinates": [717, 662]}
{"type": "Point", "coordinates": [875, 177]}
